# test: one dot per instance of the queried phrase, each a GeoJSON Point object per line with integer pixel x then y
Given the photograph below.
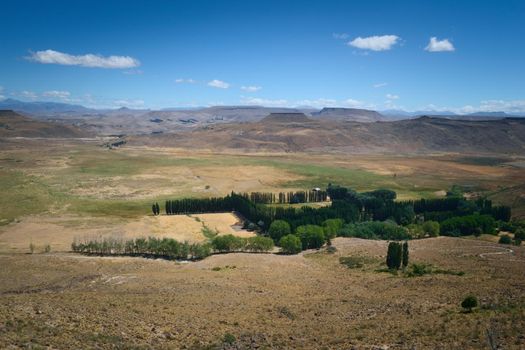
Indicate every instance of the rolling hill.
{"type": "Point", "coordinates": [296, 132]}
{"type": "Point", "coordinates": [13, 124]}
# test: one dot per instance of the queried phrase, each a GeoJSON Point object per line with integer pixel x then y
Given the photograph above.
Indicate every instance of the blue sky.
{"type": "Point", "coordinates": [371, 54]}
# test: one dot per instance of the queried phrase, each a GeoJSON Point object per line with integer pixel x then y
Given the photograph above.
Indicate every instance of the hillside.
{"type": "Point", "coordinates": [419, 135]}
{"type": "Point", "coordinates": [13, 124]}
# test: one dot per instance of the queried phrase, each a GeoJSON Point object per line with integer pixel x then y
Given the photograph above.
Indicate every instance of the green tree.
{"type": "Point", "coordinates": [312, 236]}
{"type": "Point", "coordinates": [505, 239]}
{"type": "Point", "coordinates": [278, 229]}
{"type": "Point", "coordinates": [469, 303]}
{"type": "Point", "coordinates": [259, 244]}
{"type": "Point", "coordinates": [405, 254]}
{"type": "Point", "coordinates": [394, 255]}
{"type": "Point", "coordinates": [290, 244]}
{"type": "Point", "coordinates": [332, 227]}
{"type": "Point", "coordinates": [431, 228]}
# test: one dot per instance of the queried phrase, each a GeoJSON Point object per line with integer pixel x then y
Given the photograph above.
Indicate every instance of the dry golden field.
{"type": "Point", "coordinates": [307, 301]}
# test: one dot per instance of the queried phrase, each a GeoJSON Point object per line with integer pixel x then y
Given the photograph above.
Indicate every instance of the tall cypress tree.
{"type": "Point", "coordinates": [405, 254]}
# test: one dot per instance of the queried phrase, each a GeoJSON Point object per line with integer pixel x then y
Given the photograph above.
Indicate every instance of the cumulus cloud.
{"type": "Point", "coordinates": [57, 94]}
{"type": "Point", "coordinates": [88, 60]}
{"type": "Point", "coordinates": [218, 84]}
{"type": "Point", "coordinates": [392, 97]}
{"type": "Point", "coordinates": [375, 43]}
{"type": "Point", "coordinates": [181, 81]}
{"type": "Point", "coordinates": [436, 45]}
{"type": "Point", "coordinates": [379, 85]}
{"type": "Point", "coordinates": [340, 36]}
{"type": "Point", "coordinates": [251, 88]}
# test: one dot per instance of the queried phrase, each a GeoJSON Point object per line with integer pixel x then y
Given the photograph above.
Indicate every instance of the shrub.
{"type": "Point", "coordinates": [469, 303]}
{"type": "Point", "coordinates": [519, 234]}
{"type": "Point", "coordinates": [229, 338]}
{"type": "Point", "coordinates": [47, 248]}
{"type": "Point", "coordinates": [227, 243]}
{"type": "Point", "coordinates": [290, 244]}
{"type": "Point", "coordinates": [312, 236]}
{"type": "Point", "coordinates": [278, 229]}
{"type": "Point", "coordinates": [505, 239]}
{"type": "Point", "coordinates": [431, 228]}
{"type": "Point", "coordinates": [352, 262]}
{"type": "Point", "coordinates": [417, 270]}
{"type": "Point", "coordinates": [259, 244]}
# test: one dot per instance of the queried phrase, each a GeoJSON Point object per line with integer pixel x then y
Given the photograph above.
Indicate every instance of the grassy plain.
{"type": "Point", "coordinates": [72, 186]}
{"type": "Point", "coordinates": [54, 192]}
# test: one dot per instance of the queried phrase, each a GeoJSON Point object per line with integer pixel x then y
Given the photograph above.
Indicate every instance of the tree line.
{"type": "Point", "coordinates": [287, 197]}
{"type": "Point", "coordinates": [168, 248]}
{"type": "Point", "coordinates": [371, 215]}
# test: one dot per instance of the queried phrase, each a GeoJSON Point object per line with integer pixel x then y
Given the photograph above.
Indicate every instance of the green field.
{"type": "Point", "coordinates": [91, 180]}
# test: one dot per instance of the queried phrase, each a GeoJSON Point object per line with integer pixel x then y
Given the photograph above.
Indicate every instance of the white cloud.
{"type": "Point", "coordinates": [218, 84]}
{"type": "Point", "coordinates": [340, 36]}
{"type": "Point", "coordinates": [251, 88]}
{"type": "Point", "coordinates": [379, 85]}
{"type": "Point", "coordinates": [375, 43]}
{"type": "Point", "coordinates": [392, 97]}
{"type": "Point", "coordinates": [314, 103]}
{"type": "Point", "coordinates": [2, 97]}
{"type": "Point", "coordinates": [436, 45]}
{"type": "Point", "coordinates": [29, 95]}
{"type": "Point", "coordinates": [508, 106]}
{"type": "Point", "coordinates": [88, 60]}
{"type": "Point", "coordinates": [57, 94]}
{"type": "Point", "coordinates": [264, 102]}
{"type": "Point", "coordinates": [181, 81]}
{"type": "Point", "coordinates": [129, 103]}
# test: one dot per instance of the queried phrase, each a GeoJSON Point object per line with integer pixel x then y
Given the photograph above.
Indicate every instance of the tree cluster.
{"type": "Point", "coordinates": [155, 209]}
{"type": "Point", "coordinates": [397, 255]}
{"type": "Point", "coordinates": [166, 248]}
{"type": "Point", "coordinates": [231, 243]}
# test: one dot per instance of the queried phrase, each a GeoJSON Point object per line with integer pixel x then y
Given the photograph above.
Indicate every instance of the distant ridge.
{"type": "Point", "coordinates": [286, 117]}
{"type": "Point", "coordinates": [348, 114]}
